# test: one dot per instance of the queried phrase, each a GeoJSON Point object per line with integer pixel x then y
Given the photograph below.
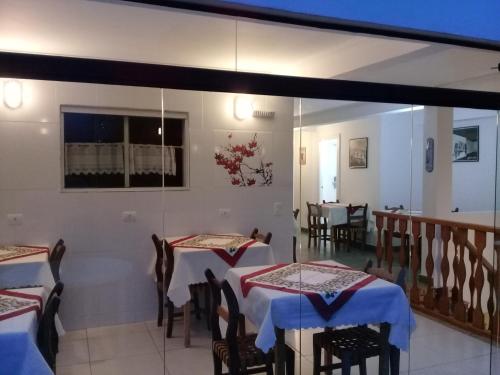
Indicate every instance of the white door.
{"type": "Point", "coordinates": [328, 159]}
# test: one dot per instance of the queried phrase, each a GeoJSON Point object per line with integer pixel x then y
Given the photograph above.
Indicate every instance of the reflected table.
{"type": "Point", "coordinates": [301, 296]}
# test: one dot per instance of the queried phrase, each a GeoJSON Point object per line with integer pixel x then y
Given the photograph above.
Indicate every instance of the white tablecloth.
{"type": "Point", "coordinates": [377, 302]}
{"type": "Point", "coordinates": [18, 351]}
{"type": "Point", "coordinates": [336, 214]}
{"type": "Point", "coordinates": [30, 270]}
{"type": "Point", "coordinates": [190, 265]}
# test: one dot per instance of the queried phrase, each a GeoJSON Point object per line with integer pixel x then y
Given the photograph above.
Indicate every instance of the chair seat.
{"type": "Point", "coordinates": [250, 355]}
{"type": "Point", "coordinates": [360, 342]}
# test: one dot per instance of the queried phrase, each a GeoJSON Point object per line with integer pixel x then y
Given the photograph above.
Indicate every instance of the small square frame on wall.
{"type": "Point", "coordinates": [358, 153]}
{"type": "Point", "coordinates": [465, 144]}
{"type": "Point", "coordinates": [302, 156]}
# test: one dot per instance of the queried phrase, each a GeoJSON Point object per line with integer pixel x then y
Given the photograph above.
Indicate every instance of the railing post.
{"type": "Point", "coordinates": [460, 311]}
{"type": "Point", "coordinates": [429, 266]}
{"type": "Point", "coordinates": [379, 221]}
{"type": "Point", "coordinates": [402, 250]}
{"type": "Point", "coordinates": [388, 242]}
{"type": "Point", "coordinates": [478, 316]}
{"type": "Point", "coordinates": [454, 290]}
{"type": "Point", "coordinates": [414, 292]}
{"type": "Point", "coordinates": [444, 301]}
{"type": "Point", "coordinates": [472, 286]}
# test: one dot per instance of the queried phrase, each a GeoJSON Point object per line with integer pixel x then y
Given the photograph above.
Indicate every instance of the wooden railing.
{"type": "Point", "coordinates": [461, 268]}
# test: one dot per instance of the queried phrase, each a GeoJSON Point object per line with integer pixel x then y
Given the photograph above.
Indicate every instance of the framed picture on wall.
{"type": "Point", "coordinates": [358, 153]}
{"type": "Point", "coordinates": [465, 144]}
{"type": "Point", "coordinates": [302, 157]}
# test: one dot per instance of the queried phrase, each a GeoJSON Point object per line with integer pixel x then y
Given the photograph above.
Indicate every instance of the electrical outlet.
{"type": "Point", "coordinates": [224, 212]}
{"type": "Point", "coordinates": [15, 219]}
{"type": "Point", "coordinates": [129, 216]}
{"type": "Point", "coordinates": [277, 208]}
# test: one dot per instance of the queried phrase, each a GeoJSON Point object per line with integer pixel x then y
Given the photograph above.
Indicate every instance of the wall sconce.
{"type": "Point", "coordinates": [13, 94]}
{"type": "Point", "coordinates": [243, 107]}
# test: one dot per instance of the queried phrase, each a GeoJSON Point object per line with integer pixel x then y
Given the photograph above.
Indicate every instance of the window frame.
{"type": "Point", "coordinates": [126, 112]}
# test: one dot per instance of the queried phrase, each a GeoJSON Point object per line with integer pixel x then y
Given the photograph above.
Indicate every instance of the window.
{"type": "Point", "coordinates": [123, 149]}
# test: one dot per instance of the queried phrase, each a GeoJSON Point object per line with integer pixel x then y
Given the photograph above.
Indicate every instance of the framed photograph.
{"type": "Point", "coordinates": [465, 144]}
{"type": "Point", "coordinates": [302, 158]}
{"type": "Point", "coordinates": [358, 153]}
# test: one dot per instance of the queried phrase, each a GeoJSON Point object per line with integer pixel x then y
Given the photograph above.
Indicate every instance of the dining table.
{"type": "Point", "coordinates": [25, 266]}
{"type": "Point", "coordinates": [336, 214]}
{"type": "Point", "coordinates": [321, 294]}
{"type": "Point", "coordinates": [20, 311]}
{"type": "Point", "coordinates": [193, 254]}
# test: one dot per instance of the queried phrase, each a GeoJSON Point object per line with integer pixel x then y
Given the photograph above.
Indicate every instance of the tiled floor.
{"type": "Point", "coordinates": [139, 348]}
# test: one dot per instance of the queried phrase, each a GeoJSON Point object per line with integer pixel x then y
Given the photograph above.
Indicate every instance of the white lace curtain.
{"type": "Point", "coordinates": [108, 158]}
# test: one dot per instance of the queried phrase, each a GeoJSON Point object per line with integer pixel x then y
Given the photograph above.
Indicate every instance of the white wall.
{"type": "Point", "coordinates": [106, 265]}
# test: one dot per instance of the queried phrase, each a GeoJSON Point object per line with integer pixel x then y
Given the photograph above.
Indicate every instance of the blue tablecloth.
{"type": "Point", "coordinates": [19, 355]}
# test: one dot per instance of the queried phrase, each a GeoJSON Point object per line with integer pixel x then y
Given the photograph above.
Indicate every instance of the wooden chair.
{"type": "Point", "coordinates": [46, 331]}
{"type": "Point", "coordinates": [316, 225]}
{"type": "Point", "coordinates": [295, 216]}
{"type": "Point", "coordinates": [55, 259]}
{"type": "Point", "coordinates": [261, 237]}
{"type": "Point", "coordinates": [354, 345]}
{"type": "Point", "coordinates": [356, 223]}
{"type": "Point", "coordinates": [237, 351]}
{"type": "Point", "coordinates": [56, 291]}
{"type": "Point", "coordinates": [164, 268]}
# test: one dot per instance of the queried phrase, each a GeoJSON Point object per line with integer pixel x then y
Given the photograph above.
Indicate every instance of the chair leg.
{"type": "Point", "coordinates": [269, 366]}
{"type": "Point", "coordinates": [309, 238]}
{"type": "Point", "coordinates": [196, 301]}
{"type": "Point", "coordinates": [394, 359]}
{"type": "Point", "coordinates": [290, 361]}
{"type": "Point", "coordinates": [346, 364]}
{"type": "Point", "coordinates": [316, 357]}
{"type": "Point", "coordinates": [170, 318]}
{"type": "Point", "coordinates": [217, 365]}
{"type": "Point", "coordinates": [294, 249]}
{"type": "Point", "coordinates": [362, 366]}
{"type": "Point", "coordinates": [159, 321]}
{"type": "Point", "coordinates": [207, 306]}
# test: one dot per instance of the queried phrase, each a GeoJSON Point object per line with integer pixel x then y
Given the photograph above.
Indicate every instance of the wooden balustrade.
{"type": "Point", "coordinates": [455, 282]}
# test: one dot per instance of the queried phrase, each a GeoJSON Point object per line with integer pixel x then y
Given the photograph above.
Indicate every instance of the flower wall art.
{"type": "Point", "coordinates": [243, 158]}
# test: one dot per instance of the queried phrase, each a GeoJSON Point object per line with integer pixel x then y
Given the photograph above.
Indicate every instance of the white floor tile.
{"type": "Point", "coordinates": [83, 369]}
{"type": "Point", "coordinates": [72, 352]}
{"type": "Point", "coordinates": [149, 364]}
{"type": "Point", "coordinates": [74, 335]}
{"type": "Point", "coordinates": [189, 361]}
{"type": "Point", "coordinates": [116, 330]}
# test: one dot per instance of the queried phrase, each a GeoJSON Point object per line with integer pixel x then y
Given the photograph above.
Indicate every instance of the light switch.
{"type": "Point", "coordinates": [15, 219]}
{"type": "Point", "coordinates": [129, 216]}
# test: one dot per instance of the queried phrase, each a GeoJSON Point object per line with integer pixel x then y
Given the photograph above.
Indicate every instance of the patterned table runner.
{"type": "Point", "coordinates": [229, 247]}
{"type": "Point", "coordinates": [327, 287]}
{"type": "Point", "coordinates": [13, 303]}
{"type": "Point", "coordinates": [13, 252]}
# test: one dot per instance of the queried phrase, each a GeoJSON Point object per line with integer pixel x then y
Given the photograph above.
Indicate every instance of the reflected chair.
{"type": "Point", "coordinates": [295, 216]}
{"type": "Point", "coordinates": [164, 269]}
{"type": "Point", "coordinates": [397, 234]}
{"type": "Point", "coordinates": [55, 259]}
{"type": "Point", "coordinates": [354, 345]}
{"type": "Point", "coordinates": [56, 291]}
{"type": "Point", "coordinates": [237, 349]}
{"type": "Point", "coordinates": [357, 223]}
{"type": "Point", "coordinates": [317, 226]}
{"type": "Point", "coordinates": [261, 237]}
{"type": "Point", "coordinates": [46, 331]}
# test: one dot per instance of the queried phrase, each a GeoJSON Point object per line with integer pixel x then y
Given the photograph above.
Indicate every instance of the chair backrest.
{"type": "Point", "coordinates": [296, 213]}
{"type": "Point", "coordinates": [387, 208]}
{"type": "Point", "coordinates": [55, 258]}
{"type": "Point", "coordinates": [45, 336]}
{"type": "Point", "coordinates": [56, 290]}
{"type": "Point", "coordinates": [400, 279]}
{"type": "Point", "coordinates": [313, 209]}
{"type": "Point", "coordinates": [456, 209]}
{"type": "Point", "coordinates": [231, 315]}
{"type": "Point", "coordinates": [357, 213]}
{"type": "Point", "coordinates": [261, 237]}
{"type": "Point", "coordinates": [164, 258]}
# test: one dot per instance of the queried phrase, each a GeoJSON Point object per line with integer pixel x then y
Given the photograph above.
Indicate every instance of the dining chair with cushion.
{"type": "Point", "coordinates": [317, 226]}
{"type": "Point", "coordinates": [46, 331]}
{"type": "Point", "coordinates": [261, 237]}
{"type": "Point", "coordinates": [354, 345]}
{"type": "Point", "coordinates": [55, 259]}
{"type": "Point", "coordinates": [237, 349]}
{"type": "Point", "coordinates": [357, 223]}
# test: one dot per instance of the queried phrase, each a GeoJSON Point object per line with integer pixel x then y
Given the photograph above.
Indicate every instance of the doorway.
{"type": "Point", "coordinates": [328, 170]}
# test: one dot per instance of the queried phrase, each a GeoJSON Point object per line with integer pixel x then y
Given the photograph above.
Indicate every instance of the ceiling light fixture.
{"type": "Point", "coordinates": [13, 94]}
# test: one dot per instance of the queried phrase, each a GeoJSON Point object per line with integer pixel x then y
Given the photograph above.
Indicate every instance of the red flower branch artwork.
{"type": "Point", "coordinates": [244, 163]}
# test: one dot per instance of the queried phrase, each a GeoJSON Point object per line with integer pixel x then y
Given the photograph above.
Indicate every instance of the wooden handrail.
{"type": "Point", "coordinates": [470, 246]}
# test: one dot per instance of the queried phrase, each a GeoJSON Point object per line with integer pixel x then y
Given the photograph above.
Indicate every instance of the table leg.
{"type": "Point", "coordinates": [187, 324]}
{"type": "Point", "coordinates": [383, 364]}
{"type": "Point", "coordinates": [279, 351]}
